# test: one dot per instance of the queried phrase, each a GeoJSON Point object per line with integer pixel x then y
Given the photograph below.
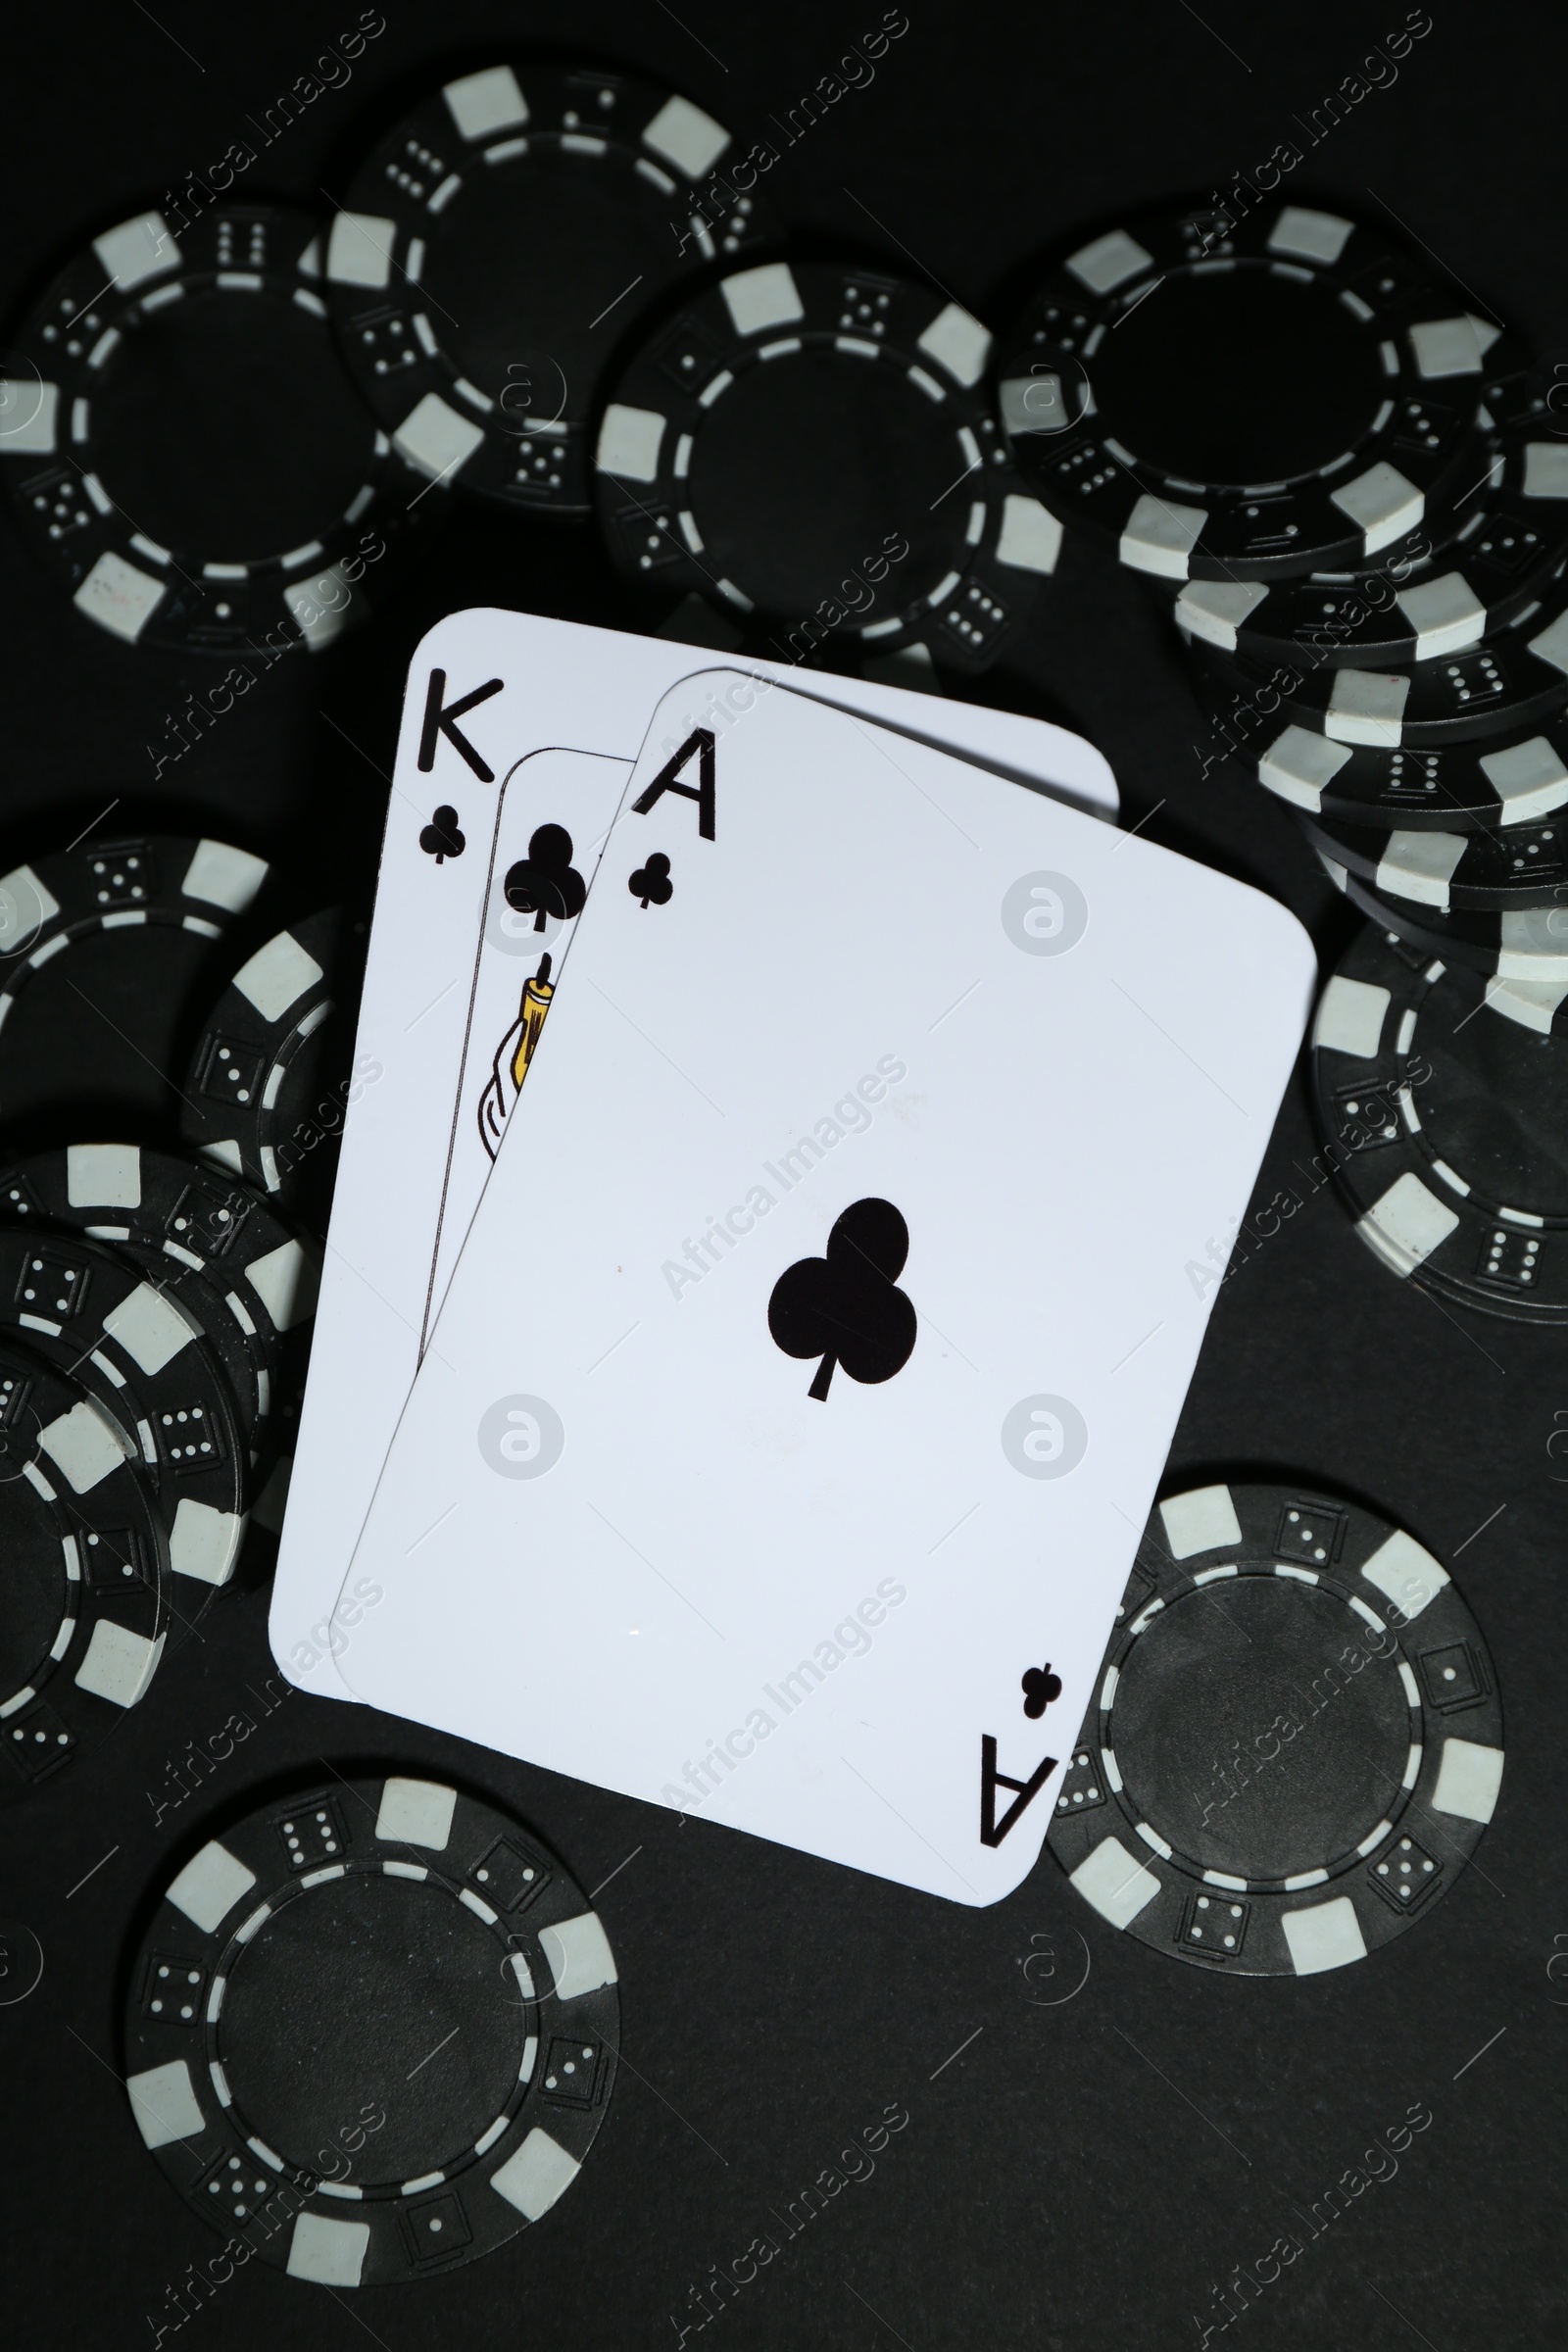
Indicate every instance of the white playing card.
{"type": "Point", "coordinates": [816, 1345]}
{"type": "Point", "coordinates": [434, 949]}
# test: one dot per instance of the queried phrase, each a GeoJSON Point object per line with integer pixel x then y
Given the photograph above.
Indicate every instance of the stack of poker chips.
{"type": "Point", "coordinates": [156, 1295]}
{"type": "Point", "coordinates": [1351, 490]}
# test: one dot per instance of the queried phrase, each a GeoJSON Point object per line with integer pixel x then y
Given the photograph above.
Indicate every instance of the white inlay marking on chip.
{"type": "Point", "coordinates": [1030, 538]}
{"type": "Point", "coordinates": [84, 1445]}
{"type": "Point", "coordinates": [321, 606]}
{"type": "Point", "coordinates": [327, 2252]}
{"type": "Point", "coordinates": [1214, 609]}
{"type": "Point", "coordinates": [1446, 347]}
{"type": "Point", "coordinates": [1445, 614]}
{"type": "Point", "coordinates": [1351, 1018]}
{"type": "Point", "coordinates": [1382, 503]}
{"type": "Point", "coordinates": [629, 442]}
{"type": "Point", "coordinates": [1420, 866]}
{"type": "Point", "coordinates": [535, 2175]}
{"type": "Point", "coordinates": [1407, 1225]}
{"type": "Point", "coordinates": [417, 1813]}
{"type": "Point", "coordinates": [204, 1542]}
{"type": "Point", "coordinates": [1367, 706]}
{"type": "Point", "coordinates": [482, 104]}
{"type": "Point", "coordinates": [1161, 536]}
{"type": "Point", "coordinates": [686, 137]}
{"type": "Point", "coordinates": [957, 342]}
{"type": "Point", "coordinates": [277, 975]}
{"type": "Point", "coordinates": [579, 1955]}
{"type": "Point", "coordinates": [358, 250]}
{"type": "Point", "coordinates": [137, 250]}
{"type": "Point", "coordinates": [1530, 779]}
{"type": "Point", "coordinates": [1546, 469]}
{"type": "Point", "coordinates": [435, 439]}
{"type": "Point", "coordinates": [150, 1328]}
{"type": "Point", "coordinates": [219, 875]}
{"type": "Point", "coordinates": [1324, 1935]}
{"type": "Point", "coordinates": [1468, 1779]}
{"type": "Point", "coordinates": [1109, 261]}
{"type": "Point", "coordinates": [1201, 1520]}
{"type": "Point", "coordinates": [1316, 237]}
{"type": "Point", "coordinates": [1299, 763]}
{"type": "Point", "coordinates": [285, 1280]}
{"type": "Point", "coordinates": [118, 596]}
{"type": "Point", "coordinates": [763, 297]}
{"type": "Point", "coordinates": [1115, 1882]}
{"type": "Point", "coordinates": [164, 2102]}
{"type": "Point", "coordinates": [209, 1887]}
{"type": "Point", "coordinates": [119, 1664]}
{"type": "Point", "coordinates": [33, 409]}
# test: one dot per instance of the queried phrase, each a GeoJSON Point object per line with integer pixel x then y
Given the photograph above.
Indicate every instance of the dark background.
{"type": "Point", "coordinates": [1091, 2166]}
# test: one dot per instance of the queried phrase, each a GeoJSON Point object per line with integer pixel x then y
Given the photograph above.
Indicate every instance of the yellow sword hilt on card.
{"type": "Point", "coordinates": [536, 995]}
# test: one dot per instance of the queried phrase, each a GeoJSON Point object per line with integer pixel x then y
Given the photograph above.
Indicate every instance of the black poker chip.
{"type": "Point", "coordinates": [809, 448]}
{"type": "Point", "coordinates": [1530, 946]}
{"type": "Point", "coordinates": [185, 452]}
{"type": "Point", "coordinates": [1443, 1098]}
{"type": "Point", "coordinates": [1506, 540]}
{"type": "Point", "coordinates": [1516, 780]}
{"type": "Point", "coordinates": [143, 1359]}
{"type": "Point", "coordinates": [232, 1263]}
{"type": "Point", "coordinates": [1523, 867]}
{"type": "Point", "coordinates": [268, 1084]}
{"type": "Point", "coordinates": [84, 1599]}
{"type": "Point", "coordinates": [1297, 1741]}
{"type": "Point", "coordinates": [101, 945]}
{"type": "Point", "coordinates": [1506, 686]}
{"type": "Point", "coordinates": [1248, 399]}
{"type": "Point", "coordinates": [498, 244]}
{"type": "Point", "coordinates": [371, 2031]}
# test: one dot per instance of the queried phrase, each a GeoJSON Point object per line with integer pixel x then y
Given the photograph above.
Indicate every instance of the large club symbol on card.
{"type": "Point", "coordinates": [846, 1308]}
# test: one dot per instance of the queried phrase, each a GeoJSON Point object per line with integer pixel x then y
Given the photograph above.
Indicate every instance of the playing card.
{"type": "Point", "coordinates": [489, 690]}
{"type": "Point", "coordinates": [782, 1444]}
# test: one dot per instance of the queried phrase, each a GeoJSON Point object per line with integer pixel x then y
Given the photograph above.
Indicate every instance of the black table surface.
{"type": "Point", "coordinates": [1079, 2169]}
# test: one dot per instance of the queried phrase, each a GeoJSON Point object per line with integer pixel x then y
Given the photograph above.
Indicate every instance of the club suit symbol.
{"type": "Point", "coordinates": [843, 1307]}
{"type": "Point", "coordinates": [1040, 1686]}
{"type": "Point", "coordinates": [546, 882]}
{"type": "Point", "coordinates": [442, 838]}
{"type": "Point", "coordinates": [652, 882]}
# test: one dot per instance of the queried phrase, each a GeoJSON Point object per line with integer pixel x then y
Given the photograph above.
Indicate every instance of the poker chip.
{"type": "Point", "coordinates": [100, 945]}
{"type": "Point", "coordinates": [264, 1096]}
{"type": "Point", "coordinates": [1438, 1094]}
{"type": "Point", "coordinates": [1525, 867]}
{"type": "Point", "coordinates": [226, 1257]}
{"type": "Point", "coordinates": [184, 452]}
{"type": "Point", "coordinates": [1528, 945]}
{"type": "Point", "coordinates": [1233, 400]}
{"type": "Point", "coordinates": [140, 1358]}
{"type": "Point", "coordinates": [495, 247]}
{"type": "Point", "coordinates": [812, 448]}
{"type": "Point", "coordinates": [1510, 684]}
{"type": "Point", "coordinates": [1502, 782]}
{"type": "Point", "coordinates": [1506, 540]}
{"type": "Point", "coordinates": [371, 2031]}
{"type": "Point", "coordinates": [84, 1599]}
{"type": "Point", "coordinates": [1296, 1740]}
